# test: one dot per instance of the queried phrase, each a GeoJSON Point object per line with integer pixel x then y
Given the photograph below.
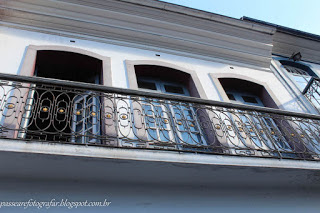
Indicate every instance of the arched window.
{"type": "Point", "coordinates": [299, 73]}
{"type": "Point", "coordinates": [257, 131]}
{"type": "Point", "coordinates": [166, 74]}
{"type": "Point", "coordinates": [246, 92]}
{"type": "Point", "coordinates": [167, 120]}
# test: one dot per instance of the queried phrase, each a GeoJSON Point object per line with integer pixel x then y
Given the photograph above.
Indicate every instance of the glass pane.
{"type": "Point", "coordinates": [296, 70]}
{"type": "Point", "coordinates": [301, 81]}
{"type": "Point", "coordinates": [249, 99]}
{"type": "Point", "coordinates": [147, 85]}
{"type": "Point", "coordinates": [173, 89]}
{"type": "Point", "coordinates": [231, 97]}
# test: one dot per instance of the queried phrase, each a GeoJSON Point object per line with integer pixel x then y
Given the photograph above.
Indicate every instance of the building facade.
{"type": "Point", "coordinates": [155, 107]}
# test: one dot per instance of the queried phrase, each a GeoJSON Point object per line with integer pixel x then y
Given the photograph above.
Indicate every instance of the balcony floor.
{"type": "Point", "coordinates": [35, 160]}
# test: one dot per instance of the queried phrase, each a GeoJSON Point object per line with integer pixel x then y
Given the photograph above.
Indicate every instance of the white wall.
{"type": "Point", "coordinates": [13, 44]}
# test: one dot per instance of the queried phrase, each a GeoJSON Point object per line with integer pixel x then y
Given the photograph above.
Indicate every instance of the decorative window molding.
{"type": "Point", "coordinates": [29, 61]}
{"type": "Point", "coordinates": [215, 78]}
{"type": "Point", "coordinates": [132, 78]}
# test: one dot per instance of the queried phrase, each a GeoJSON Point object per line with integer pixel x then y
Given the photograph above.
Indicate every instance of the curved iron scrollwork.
{"type": "Point", "coordinates": [312, 92]}
{"type": "Point", "coordinates": [57, 111]}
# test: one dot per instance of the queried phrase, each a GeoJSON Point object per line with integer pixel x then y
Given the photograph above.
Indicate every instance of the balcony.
{"type": "Point", "coordinates": [49, 110]}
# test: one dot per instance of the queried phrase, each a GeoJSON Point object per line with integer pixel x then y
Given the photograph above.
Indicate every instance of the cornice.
{"type": "Point", "coordinates": [177, 9]}
{"type": "Point", "coordinates": [219, 40]}
{"type": "Point", "coordinates": [285, 45]}
{"type": "Point", "coordinates": [287, 41]}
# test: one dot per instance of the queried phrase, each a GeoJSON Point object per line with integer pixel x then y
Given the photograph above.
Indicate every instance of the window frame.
{"type": "Point", "coordinates": [286, 79]}
{"type": "Point", "coordinates": [298, 65]}
{"type": "Point", "coordinates": [133, 84]}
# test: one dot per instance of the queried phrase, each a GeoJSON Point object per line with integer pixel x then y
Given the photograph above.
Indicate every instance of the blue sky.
{"type": "Point", "coordinates": [298, 14]}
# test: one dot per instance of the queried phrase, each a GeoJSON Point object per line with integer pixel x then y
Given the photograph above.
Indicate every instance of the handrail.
{"type": "Point", "coordinates": [125, 91]}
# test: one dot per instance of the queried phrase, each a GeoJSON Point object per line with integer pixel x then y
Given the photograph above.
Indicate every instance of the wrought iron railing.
{"type": "Point", "coordinates": [312, 92]}
{"type": "Point", "coordinates": [40, 109]}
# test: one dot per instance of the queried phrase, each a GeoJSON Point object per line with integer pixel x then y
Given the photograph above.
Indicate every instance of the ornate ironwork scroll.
{"type": "Point", "coordinates": [312, 92]}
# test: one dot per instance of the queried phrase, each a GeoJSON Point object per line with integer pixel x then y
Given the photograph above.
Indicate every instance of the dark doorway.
{"type": "Point", "coordinates": [68, 66]}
